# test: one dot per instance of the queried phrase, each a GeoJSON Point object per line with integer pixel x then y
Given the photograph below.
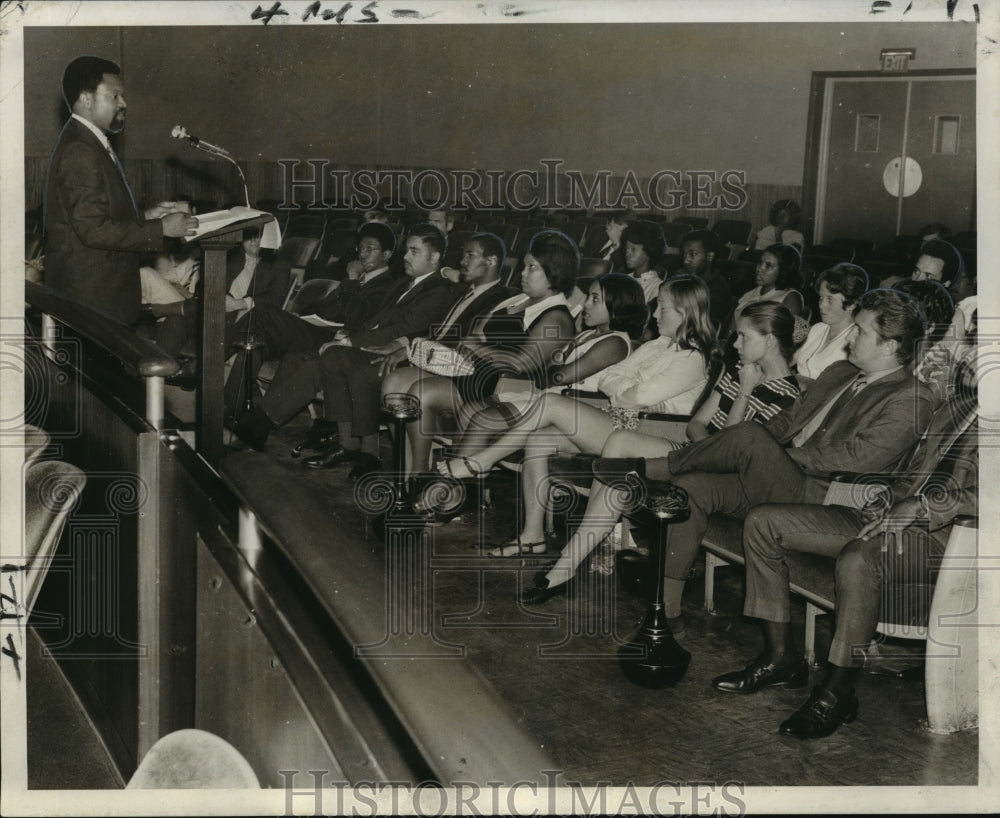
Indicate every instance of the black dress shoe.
{"type": "Point", "coordinates": [319, 438]}
{"type": "Point", "coordinates": [759, 673]}
{"type": "Point", "coordinates": [334, 456]}
{"type": "Point", "coordinates": [541, 592]}
{"type": "Point", "coordinates": [366, 464]}
{"type": "Point", "coordinates": [821, 714]}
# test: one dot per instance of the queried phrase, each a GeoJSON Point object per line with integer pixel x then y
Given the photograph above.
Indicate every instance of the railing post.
{"type": "Point", "coordinates": [248, 535]}
{"type": "Point", "coordinates": [154, 401]}
{"type": "Point", "coordinates": [49, 333]}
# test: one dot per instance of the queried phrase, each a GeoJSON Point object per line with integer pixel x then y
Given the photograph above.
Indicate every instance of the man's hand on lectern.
{"type": "Point", "coordinates": [178, 225]}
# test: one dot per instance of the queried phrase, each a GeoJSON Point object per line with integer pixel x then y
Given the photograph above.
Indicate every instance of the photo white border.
{"type": "Point", "coordinates": [15, 800]}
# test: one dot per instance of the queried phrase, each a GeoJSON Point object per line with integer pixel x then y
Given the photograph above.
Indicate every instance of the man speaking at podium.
{"type": "Point", "coordinates": [94, 231]}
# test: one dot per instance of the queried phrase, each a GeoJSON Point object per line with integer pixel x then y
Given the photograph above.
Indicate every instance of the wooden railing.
{"type": "Point", "coordinates": [118, 340]}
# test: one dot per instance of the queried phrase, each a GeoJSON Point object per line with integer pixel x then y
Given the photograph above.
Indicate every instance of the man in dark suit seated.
{"type": "Point", "coordinates": [482, 262]}
{"type": "Point", "coordinates": [698, 249]}
{"type": "Point", "coordinates": [861, 415]}
{"type": "Point", "coordinates": [347, 369]}
{"type": "Point", "coordinates": [346, 307]}
{"type": "Point", "coordinates": [95, 233]}
{"type": "Point", "coordinates": [939, 483]}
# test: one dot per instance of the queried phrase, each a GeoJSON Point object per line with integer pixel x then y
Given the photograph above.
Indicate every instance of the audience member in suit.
{"type": "Point", "coordinates": [862, 414]}
{"type": "Point", "coordinates": [698, 249]}
{"type": "Point", "coordinates": [607, 245]}
{"type": "Point", "coordinates": [95, 233]}
{"type": "Point", "coordinates": [644, 249]}
{"type": "Point", "coordinates": [939, 483]}
{"type": "Point", "coordinates": [517, 338]}
{"type": "Point", "coordinates": [839, 290]}
{"type": "Point", "coordinates": [347, 306]}
{"type": "Point", "coordinates": [347, 370]}
{"type": "Point", "coordinates": [482, 261]}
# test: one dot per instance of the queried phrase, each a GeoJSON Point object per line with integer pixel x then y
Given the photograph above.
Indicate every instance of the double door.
{"type": "Point", "coordinates": [895, 153]}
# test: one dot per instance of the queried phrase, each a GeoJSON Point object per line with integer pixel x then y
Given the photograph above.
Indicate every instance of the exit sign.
{"type": "Point", "coordinates": [897, 60]}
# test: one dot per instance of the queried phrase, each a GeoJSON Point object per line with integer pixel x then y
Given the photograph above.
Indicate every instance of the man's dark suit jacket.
{"type": "Point", "coordinates": [352, 303]}
{"type": "Point", "coordinates": [477, 307]}
{"type": "Point", "coordinates": [94, 232]}
{"type": "Point", "coordinates": [271, 276]}
{"type": "Point", "coordinates": [871, 434]}
{"type": "Point", "coordinates": [413, 314]}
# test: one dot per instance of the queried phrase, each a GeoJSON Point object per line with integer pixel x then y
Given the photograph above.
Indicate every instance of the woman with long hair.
{"type": "Point", "coordinates": [667, 374]}
{"type": "Point", "coordinates": [760, 387]}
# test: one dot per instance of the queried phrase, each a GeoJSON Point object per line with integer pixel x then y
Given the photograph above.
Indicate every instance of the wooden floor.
{"type": "Point", "coordinates": [556, 665]}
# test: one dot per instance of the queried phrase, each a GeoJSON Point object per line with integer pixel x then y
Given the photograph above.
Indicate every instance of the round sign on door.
{"type": "Point", "coordinates": [912, 176]}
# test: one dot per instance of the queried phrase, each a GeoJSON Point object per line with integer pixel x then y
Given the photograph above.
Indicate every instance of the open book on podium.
{"type": "Point", "coordinates": [216, 222]}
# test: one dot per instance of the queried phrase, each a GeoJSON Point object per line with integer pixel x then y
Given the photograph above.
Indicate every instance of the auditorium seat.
{"type": "Point", "coordinates": [299, 250]}
{"type": "Point", "coordinates": [840, 253]}
{"type": "Point", "coordinates": [965, 240]}
{"type": "Point", "coordinates": [506, 231]}
{"type": "Point", "coordinates": [696, 222]}
{"type": "Point", "coordinates": [342, 223]}
{"type": "Point", "coordinates": [593, 267]}
{"type": "Point", "coordinates": [734, 232]}
{"type": "Point", "coordinates": [577, 231]}
{"type": "Point", "coordinates": [741, 275]}
{"type": "Point", "coordinates": [524, 240]}
{"type": "Point", "coordinates": [674, 233]}
{"type": "Point", "coordinates": [305, 226]}
{"type": "Point", "coordinates": [859, 249]}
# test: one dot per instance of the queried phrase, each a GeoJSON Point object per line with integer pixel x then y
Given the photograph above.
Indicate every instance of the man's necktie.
{"type": "Point", "coordinates": [121, 170]}
{"type": "Point", "coordinates": [455, 312]}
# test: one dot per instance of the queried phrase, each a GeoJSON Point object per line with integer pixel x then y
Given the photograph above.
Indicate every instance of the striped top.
{"type": "Point", "coordinates": [766, 400]}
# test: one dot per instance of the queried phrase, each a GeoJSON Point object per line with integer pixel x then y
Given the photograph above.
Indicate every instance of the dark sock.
{"type": "Point", "coordinates": [778, 641]}
{"type": "Point", "coordinates": [840, 680]}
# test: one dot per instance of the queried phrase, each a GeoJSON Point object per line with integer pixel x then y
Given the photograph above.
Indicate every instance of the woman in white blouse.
{"type": "Point", "coordinates": [667, 374]}
{"type": "Point", "coordinates": [839, 289]}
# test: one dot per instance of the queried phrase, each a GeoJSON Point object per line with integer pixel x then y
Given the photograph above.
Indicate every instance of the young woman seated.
{"type": "Point", "coordinates": [518, 338]}
{"type": "Point", "coordinates": [757, 389]}
{"type": "Point", "coordinates": [778, 277]}
{"type": "Point", "coordinates": [839, 289]}
{"type": "Point", "coordinates": [614, 317]}
{"type": "Point", "coordinates": [666, 374]}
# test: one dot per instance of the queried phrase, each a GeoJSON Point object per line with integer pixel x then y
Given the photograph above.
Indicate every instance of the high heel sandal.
{"type": "Point", "coordinates": [445, 470]}
{"type": "Point", "coordinates": [516, 548]}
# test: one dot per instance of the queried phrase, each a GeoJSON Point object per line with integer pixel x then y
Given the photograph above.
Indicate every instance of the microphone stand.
{"type": "Point", "coordinates": [239, 170]}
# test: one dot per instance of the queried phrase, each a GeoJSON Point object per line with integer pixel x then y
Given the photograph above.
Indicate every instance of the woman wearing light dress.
{"type": "Point", "coordinates": [839, 289]}
{"type": "Point", "coordinates": [667, 374]}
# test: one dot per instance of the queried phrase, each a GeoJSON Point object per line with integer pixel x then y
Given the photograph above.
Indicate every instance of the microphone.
{"type": "Point", "coordinates": [180, 133]}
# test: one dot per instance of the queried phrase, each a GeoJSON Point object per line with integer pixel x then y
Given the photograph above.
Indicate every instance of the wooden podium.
{"type": "Point", "coordinates": [212, 354]}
